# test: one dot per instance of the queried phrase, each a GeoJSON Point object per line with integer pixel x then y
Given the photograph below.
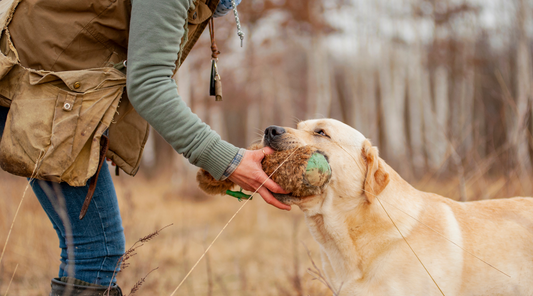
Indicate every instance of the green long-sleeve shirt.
{"type": "Point", "coordinates": [156, 29]}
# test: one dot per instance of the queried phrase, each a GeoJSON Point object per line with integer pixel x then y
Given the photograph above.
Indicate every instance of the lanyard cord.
{"type": "Point", "coordinates": [214, 49]}
{"type": "Point", "coordinates": [238, 21]}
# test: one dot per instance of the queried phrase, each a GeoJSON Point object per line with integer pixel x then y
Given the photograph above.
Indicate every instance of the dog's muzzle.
{"type": "Point", "coordinates": [273, 137]}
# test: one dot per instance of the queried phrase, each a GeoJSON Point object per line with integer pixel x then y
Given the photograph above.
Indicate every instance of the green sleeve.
{"type": "Point", "coordinates": [156, 29]}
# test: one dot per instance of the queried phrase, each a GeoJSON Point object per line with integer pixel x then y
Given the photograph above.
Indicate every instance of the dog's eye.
{"type": "Point", "coordinates": [321, 132]}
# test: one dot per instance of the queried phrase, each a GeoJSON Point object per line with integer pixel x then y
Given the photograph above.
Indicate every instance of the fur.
{"type": "Point", "coordinates": [364, 253]}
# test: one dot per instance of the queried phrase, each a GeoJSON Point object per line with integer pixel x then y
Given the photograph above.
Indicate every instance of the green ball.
{"type": "Point", "coordinates": [318, 171]}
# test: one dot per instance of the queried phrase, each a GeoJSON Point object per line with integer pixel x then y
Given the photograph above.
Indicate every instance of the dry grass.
{"type": "Point", "coordinates": [261, 253]}
{"type": "Point", "coordinates": [256, 254]}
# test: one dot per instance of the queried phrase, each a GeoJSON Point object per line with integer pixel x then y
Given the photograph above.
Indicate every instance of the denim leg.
{"type": "Point", "coordinates": [98, 240]}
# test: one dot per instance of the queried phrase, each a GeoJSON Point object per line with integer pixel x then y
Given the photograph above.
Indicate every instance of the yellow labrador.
{"type": "Point", "coordinates": [370, 223]}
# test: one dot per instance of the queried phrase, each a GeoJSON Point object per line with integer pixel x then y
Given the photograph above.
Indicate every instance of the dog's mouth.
{"type": "Point", "coordinates": [281, 143]}
{"type": "Point", "coordinates": [287, 199]}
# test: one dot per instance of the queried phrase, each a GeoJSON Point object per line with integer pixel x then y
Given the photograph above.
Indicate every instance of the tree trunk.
{"type": "Point", "coordinates": [370, 106]}
{"type": "Point", "coordinates": [253, 113]}
{"type": "Point", "coordinates": [430, 124]}
{"type": "Point", "coordinates": [283, 96]}
{"type": "Point", "coordinates": [359, 95]}
{"type": "Point", "coordinates": [318, 79]}
{"type": "Point", "coordinates": [467, 104]}
{"type": "Point", "coordinates": [415, 93]}
{"type": "Point", "coordinates": [267, 86]}
{"type": "Point", "coordinates": [393, 87]}
{"type": "Point", "coordinates": [216, 119]}
{"type": "Point", "coordinates": [441, 114]}
{"type": "Point", "coordinates": [518, 136]}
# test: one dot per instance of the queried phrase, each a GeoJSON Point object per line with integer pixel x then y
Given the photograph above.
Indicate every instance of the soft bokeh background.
{"type": "Point", "coordinates": [444, 88]}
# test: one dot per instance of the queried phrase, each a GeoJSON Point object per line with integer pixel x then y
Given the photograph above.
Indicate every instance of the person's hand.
{"type": "Point", "coordinates": [250, 175]}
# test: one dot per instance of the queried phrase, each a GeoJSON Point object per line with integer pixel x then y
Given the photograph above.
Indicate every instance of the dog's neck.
{"type": "Point", "coordinates": [353, 231]}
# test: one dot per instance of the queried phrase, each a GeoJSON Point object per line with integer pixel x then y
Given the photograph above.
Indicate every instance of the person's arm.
{"type": "Point", "coordinates": [156, 29]}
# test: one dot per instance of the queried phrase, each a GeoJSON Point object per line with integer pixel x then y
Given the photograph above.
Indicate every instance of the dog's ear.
{"type": "Point", "coordinates": [376, 178]}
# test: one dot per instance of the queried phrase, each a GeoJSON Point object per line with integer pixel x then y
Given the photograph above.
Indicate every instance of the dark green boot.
{"type": "Point", "coordinates": [61, 288]}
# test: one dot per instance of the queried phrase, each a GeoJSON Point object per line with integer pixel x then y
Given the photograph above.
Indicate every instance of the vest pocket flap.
{"type": "Point", "coordinates": [81, 80]}
{"type": "Point", "coordinates": [200, 14]}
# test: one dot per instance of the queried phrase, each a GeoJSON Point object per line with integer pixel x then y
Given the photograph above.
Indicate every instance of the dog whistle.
{"type": "Point", "coordinates": [218, 89]}
{"type": "Point", "coordinates": [213, 78]}
{"type": "Point", "coordinates": [215, 85]}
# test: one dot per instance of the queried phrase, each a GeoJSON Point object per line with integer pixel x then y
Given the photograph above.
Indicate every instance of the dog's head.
{"type": "Point", "coordinates": [358, 174]}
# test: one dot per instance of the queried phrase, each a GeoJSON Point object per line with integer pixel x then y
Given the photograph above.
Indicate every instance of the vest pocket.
{"type": "Point", "coordinates": [53, 133]}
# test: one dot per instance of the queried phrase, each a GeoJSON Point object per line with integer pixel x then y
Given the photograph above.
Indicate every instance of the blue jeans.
{"type": "Point", "coordinates": [90, 248]}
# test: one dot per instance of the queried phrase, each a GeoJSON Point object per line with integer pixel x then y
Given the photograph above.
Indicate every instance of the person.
{"type": "Point", "coordinates": [66, 38]}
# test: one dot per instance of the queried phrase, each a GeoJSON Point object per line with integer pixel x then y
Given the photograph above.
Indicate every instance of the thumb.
{"type": "Point", "coordinates": [257, 155]}
{"type": "Point", "coordinates": [267, 150]}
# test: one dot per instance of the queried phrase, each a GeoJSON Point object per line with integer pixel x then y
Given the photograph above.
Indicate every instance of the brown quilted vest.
{"type": "Point", "coordinates": [62, 142]}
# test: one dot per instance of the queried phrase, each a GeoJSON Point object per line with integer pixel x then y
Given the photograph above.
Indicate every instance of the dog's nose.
{"type": "Point", "coordinates": [273, 131]}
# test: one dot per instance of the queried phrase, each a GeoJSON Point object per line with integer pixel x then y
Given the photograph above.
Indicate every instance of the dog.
{"type": "Point", "coordinates": [380, 236]}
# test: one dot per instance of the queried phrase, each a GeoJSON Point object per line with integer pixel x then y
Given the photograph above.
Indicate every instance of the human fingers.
{"type": "Point", "coordinates": [273, 186]}
{"type": "Point", "coordinates": [268, 183]}
{"type": "Point", "coordinates": [270, 199]}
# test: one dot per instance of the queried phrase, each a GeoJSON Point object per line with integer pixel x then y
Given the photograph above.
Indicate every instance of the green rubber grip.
{"type": "Point", "coordinates": [238, 195]}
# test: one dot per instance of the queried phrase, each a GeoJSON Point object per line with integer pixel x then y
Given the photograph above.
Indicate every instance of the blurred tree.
{"type": "Point", "coordinates": [518, 127]}
{"type": "Point", "coordinates": [428, 81]}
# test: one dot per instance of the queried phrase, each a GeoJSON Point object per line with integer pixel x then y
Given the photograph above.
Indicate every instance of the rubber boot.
{"type": "Point", "coordinates": [60, 288]}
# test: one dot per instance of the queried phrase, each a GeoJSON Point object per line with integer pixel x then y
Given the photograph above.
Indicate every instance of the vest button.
{"type": "Point", "coordinates": [194, 15]}
{"type": "Point", "coordinates": [77, 84]}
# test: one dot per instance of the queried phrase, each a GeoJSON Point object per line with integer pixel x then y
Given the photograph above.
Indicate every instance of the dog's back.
{"type": "Point", "coordinates": [498, 234]}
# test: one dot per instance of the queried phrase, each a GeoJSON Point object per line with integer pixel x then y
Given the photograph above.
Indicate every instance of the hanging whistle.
{"type": "Point", "coordinates": [218, 89]}
{"type": "Point", "coordinates": [215, 85]}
